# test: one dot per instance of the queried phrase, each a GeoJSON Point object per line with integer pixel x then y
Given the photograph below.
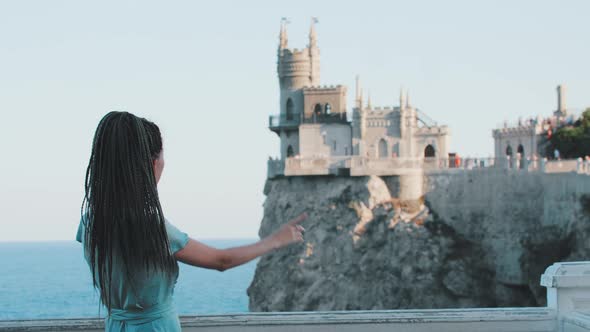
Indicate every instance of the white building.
{"type": "Point", "coordinates": [526, 141]}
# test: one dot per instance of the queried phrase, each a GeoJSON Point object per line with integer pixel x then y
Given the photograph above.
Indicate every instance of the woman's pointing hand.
{"type": "Point", "coordinates": [289, 233]}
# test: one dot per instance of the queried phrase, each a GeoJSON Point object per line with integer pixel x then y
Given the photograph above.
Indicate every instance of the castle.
{"type": "Point", "coordinates": [319, 138]}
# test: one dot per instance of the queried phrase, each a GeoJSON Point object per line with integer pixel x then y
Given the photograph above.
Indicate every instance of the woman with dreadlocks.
{"type": "Point", "coordinates": [131, 249]}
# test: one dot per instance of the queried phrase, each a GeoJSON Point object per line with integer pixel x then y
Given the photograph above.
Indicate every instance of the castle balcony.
{"type": "Point", "coordinates": [333, 165]}
{"type": "Point", "coordinates": [284, 121]}
{"type": "Point", "coordinates": [321, 118]}
{"type": "Point", "coordinates": [567, 310]}
{"type": "Point", "coordinates": [280, 122]}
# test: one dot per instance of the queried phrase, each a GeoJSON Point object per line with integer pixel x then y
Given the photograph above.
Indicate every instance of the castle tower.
{"type": "Point", "coordinates": [312, 120]}
{"type": "Point", "coordinates": [561, 105]}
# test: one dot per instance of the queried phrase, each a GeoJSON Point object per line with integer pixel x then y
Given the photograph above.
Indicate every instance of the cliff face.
{"type": "Point", "coordinates": [476, 239]}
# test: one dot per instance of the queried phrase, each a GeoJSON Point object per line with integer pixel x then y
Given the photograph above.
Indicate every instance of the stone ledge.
{"type": "Point", "coordinates": [517, 319]}
{"type": "Point", "coordinates": [577, 319]}
{"type": "Point", "coordinates": [567, 275]}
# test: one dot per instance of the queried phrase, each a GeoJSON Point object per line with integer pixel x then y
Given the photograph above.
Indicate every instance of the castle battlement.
{"type": "Point", "coordinates": [522, 130]}
{"type": "Point", "coordinates": [294, 53]}
{"type": "Point", "coordinates": [323, 87]}
{"type": "Point", "coordinates": [436, 130]}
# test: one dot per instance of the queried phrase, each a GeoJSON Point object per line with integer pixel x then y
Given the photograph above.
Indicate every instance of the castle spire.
{"type": "Point", "coordinates": [313, 36]}
{"type": "Point", "coordinates": [357, 97]}
{"type": "Point", "coordinates": [361, 99]}
{"type": "Point", "coordinates": [283, 42]}
{"type": "Point", "coordinates": [314, 54]}
{"type": "Point", "coordinates": [369, 101]}
{"type": "Point", "coordinates": [402, 99]}
{"type": "Point", "coordinates": [408, 98]}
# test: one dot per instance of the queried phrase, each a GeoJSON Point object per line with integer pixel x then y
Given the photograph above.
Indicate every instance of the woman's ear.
{"type": "Point", "coordinates": [158, 165]}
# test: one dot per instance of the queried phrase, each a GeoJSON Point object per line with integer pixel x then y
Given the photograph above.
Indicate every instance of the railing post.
{"type": "Point", "coordinates": [568, 288]}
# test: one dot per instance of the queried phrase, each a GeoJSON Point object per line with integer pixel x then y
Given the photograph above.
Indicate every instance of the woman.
{"type": "Point", "coordinates": [134, 248]}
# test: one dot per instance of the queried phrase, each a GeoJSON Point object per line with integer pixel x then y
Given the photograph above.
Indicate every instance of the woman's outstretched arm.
{"type": "Point", "coordinates": [199, 254]}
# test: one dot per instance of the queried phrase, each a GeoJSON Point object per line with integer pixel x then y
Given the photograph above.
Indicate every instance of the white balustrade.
{"type": "Point", "coordinates": [363, 166]}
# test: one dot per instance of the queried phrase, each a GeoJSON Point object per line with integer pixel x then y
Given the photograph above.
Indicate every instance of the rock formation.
{"type": "Point", "coordinates": [476, 239]}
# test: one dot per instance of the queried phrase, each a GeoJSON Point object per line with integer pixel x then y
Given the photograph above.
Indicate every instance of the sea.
{"type": "Point", "coordinates": [40, 280]}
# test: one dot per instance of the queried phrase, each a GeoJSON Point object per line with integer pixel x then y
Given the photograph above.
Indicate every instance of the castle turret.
{"type": "Point", "coordinates": [298, 68]}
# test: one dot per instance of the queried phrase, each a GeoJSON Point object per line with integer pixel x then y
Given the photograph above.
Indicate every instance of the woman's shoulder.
{"type": "Point", "coordinates": [177, 238]}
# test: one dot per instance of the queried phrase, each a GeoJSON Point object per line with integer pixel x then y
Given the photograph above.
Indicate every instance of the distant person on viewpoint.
{"type": "Point", "coordinates": [134, 249]}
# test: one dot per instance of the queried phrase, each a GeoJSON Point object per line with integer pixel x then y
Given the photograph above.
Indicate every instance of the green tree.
{"type": "Point", "coordinates": [573, 141]}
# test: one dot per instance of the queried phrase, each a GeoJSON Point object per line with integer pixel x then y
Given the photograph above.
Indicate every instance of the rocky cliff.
{"type": "Point", "coordinates": [476, 239]}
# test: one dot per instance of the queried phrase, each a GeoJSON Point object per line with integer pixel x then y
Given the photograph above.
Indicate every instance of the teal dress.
{"type": "Point", "coordinates": [145, 305]}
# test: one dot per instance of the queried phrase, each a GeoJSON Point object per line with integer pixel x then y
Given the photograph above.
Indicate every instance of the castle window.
{"type": "Point", "coordinates": [383, 149]}
{"type": "Point", "coordinates": [520, 151]}
{"type": "Point", "coordinates": [509, 151]}
{"type": "Point", "coordinates": [290, 151]}
{"type": "Point", "coordinates": [327, 108]}
{"type": "Point", "coordinates": [429, 151]}
{"type": "Point", "coordinates": [317, 110]}
{"type": "Point", "coordinates": [395, 150]}
{"type": "Point", "coordinates": [290, 108]}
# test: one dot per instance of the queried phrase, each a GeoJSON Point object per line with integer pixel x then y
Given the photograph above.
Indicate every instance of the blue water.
{"type": "Point", "coordinates": [52, 280]}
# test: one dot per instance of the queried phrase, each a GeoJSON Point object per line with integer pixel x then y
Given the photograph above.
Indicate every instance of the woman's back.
{"type": "Point", "coordinates": [145, 302]}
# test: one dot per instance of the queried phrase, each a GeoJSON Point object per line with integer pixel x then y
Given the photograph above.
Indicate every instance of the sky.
{"type": "Point", "coordinates": [205, 72]}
